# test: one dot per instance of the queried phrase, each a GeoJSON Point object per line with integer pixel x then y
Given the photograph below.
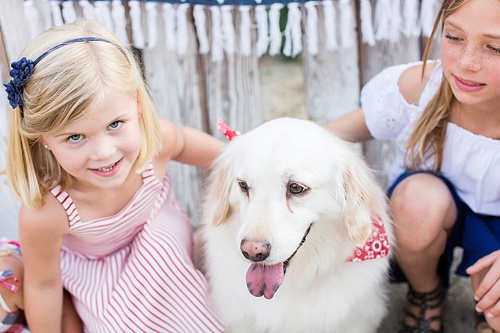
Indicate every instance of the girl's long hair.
{"type": "Point", "coordinates": [428, 136]}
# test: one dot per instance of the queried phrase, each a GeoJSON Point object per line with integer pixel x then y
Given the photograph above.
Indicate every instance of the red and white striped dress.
{"type": "Point", "coordinates": [133, 271]}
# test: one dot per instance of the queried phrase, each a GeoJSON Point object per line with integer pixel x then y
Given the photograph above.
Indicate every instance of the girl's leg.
{"type": "Point", "coordinates": [424, 212]}
{"type": "Point", "coordinates": [71, 322]}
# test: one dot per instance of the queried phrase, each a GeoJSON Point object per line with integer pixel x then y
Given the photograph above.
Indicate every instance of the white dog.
{"type": "Point", "coordinates": [294, 214]}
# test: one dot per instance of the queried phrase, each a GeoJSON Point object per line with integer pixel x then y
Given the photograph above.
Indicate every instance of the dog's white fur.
{"type": "Point", "coordinates": [321, 292]}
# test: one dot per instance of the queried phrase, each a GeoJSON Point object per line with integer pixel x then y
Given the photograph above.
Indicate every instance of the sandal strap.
{"type": "Point", "coordinates": [424, 302]}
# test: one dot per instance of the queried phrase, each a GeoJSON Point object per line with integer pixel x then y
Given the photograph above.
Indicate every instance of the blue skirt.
{"type": "Point", "coordinates": [478, 235]}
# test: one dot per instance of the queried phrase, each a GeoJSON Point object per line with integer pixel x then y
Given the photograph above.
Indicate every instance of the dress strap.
{"type": "Point", "coordinates": [148, 174]}
{"type": "Point", "coordinates": [67, 203]}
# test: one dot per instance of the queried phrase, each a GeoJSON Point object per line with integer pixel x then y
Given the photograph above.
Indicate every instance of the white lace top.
{"type": "Point", "coordinates": [470, 161]}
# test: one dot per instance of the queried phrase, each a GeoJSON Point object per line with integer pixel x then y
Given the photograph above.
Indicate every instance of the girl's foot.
{"type": "Point", "coordinates": [424, 311]}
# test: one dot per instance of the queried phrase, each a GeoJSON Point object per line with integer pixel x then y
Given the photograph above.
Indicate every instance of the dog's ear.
{"type": "Point", "coordinates": [217, 205]}
{"type": "Point", "coordinates": [362, 201]}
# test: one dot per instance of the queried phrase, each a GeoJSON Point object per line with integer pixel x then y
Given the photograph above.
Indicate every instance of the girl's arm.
{"type": "Point", "coordinates": [351, 127]}
{"type": "Point", "coordinates": [41, 232]}
{"type": "Point", "coordinates": [190, 146]}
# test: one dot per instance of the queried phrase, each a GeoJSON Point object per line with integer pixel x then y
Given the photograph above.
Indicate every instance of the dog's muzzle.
{"type": "Point", "coordinates": [264, 280]}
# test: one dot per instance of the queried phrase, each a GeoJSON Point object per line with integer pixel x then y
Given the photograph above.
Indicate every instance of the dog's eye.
{"type": "Point", "coordinates": [243, 185]}
{"type": "Point", "coordinates": [295, 188]}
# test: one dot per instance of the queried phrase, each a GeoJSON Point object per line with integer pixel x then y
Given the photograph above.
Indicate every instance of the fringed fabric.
{"type": "Point", "coordinates": [32, 16]}
{"type": "Point", "coordinates": [259, 30]}
{"type": "Point", "coordinates": [119, 21]}
{"type": "Point", "coordinates": [168, 13]}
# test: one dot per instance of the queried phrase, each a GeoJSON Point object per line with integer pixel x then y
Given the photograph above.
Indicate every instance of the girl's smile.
{"type": "Point", "coordinates": [108, 171]}
{"type": "Point", "coordinates": [466, 85]}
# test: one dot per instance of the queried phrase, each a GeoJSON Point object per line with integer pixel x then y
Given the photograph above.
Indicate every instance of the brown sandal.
{"type": "Point", "coordinates": [424, 302]}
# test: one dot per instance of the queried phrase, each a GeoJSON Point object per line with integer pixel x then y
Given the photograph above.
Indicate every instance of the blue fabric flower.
{"type": "Point", "coordinates": [20, 73]}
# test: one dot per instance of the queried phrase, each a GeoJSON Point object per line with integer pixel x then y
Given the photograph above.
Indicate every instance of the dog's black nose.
{"type": "Point", "coordinates": [255, 251]}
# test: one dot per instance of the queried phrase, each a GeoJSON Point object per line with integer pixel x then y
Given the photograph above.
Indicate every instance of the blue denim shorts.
{"type": "Point", "coordinates": [478, 235]}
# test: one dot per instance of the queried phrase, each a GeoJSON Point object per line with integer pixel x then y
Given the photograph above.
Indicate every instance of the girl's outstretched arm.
{"type": "Point", "coordinates": [351, 126]}
{"type": "Point", "coordinates": [189, 145]}
{"type": "Point", "coordinates": [41, 232]}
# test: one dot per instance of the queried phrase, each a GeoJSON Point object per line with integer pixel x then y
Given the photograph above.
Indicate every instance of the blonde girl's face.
{"type": "Point", "coordinates": [100, 149]}
{"type": "Point", "coordinates": [470, 52]}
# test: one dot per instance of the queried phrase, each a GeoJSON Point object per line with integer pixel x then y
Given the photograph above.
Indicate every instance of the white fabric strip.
{"type": "Point", "coordinates": [347, 24]}
{"type": "Point", "coordinates": [428, 12]}
{"type": "Point", "coordinates": [152, 21]}
{"type": "Point", "coordinates": [200, 22]}
{"type": "Point", "coordinates": [217, 48]}
{"type": "Point", "coordinates": [245, 31]}
{"type": "Point", "coordinates": [182, 29]}
{"type": "Point", "coordinates": [274, 29]}
{"type": "Point", "coordinates": [367, 33]}
{"type": "Point", "coordinates": [119, 21]}
{"type": "Point", "coordinates": [68, 12]}
{"type": "Point", "coordinates": [396, 22]}
{"type": "Point", "coordinates": [312, 41]}
{"type": "Point", "coordinates": [411, 24]}
{"type": "Point", "coordinates": [169, 24]}
{"type": "Point", "coordinates": [261, 19]}
{"type": "Point", "coordinates": [57, 19]}
{"type": "Point", "coordinates": [383, 19]}
{"type": "Point", "coordinates": [87, 9]}
{"type": "Point", "coordinates": [32, 16]}
{"type": "Point", "coordinates": [136, 23]}
{"type": "Point", "coordinates": [228, 32]}
{"type": "Point", "coordinates": [330, 26]}
{"type": "Point", "coordinates": [293, 31]}
{"type": "Point", "coordinates": [103, 13]}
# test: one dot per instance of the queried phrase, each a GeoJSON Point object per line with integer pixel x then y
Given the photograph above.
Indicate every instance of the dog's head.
{"type": "Point", "coordinates": [279, 180]}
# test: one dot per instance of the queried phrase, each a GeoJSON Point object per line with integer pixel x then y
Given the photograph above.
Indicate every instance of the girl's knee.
{"type": "Point", "coordinates": [422, 206]}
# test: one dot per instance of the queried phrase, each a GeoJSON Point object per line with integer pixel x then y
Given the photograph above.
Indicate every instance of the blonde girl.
{"type": "Point", "coordinates": [444, 118]}
{"type": "Point", "coordinates": [87, 157]}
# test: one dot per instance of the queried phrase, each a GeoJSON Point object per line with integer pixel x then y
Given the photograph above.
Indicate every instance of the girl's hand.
{"type": "Point", "coordinates": [488, 293]}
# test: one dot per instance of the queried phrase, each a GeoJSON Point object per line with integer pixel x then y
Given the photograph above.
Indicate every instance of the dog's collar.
{"type": "Point", "coordinates": [286, 262]}
{"type": "Point", "coordinates": [377, 245]}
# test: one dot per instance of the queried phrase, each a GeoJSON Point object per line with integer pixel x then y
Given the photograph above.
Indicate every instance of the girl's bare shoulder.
{"type": "Point", "coordinates": [412, 82]}
{"type": "Point", "coordinates": [50, 220]}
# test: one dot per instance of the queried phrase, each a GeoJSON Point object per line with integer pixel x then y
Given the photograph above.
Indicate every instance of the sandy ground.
{"type": "Point", "coordinates": [283, 95]}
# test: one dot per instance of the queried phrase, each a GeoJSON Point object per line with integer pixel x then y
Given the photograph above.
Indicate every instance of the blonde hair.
{"type": "Point", "coordinates": [427, 138]}
{"type": "Point", "coordinates": [65, 86]}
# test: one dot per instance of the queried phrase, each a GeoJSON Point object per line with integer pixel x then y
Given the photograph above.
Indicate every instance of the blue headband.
{"type": "Point", "coordinates": [21, 70]}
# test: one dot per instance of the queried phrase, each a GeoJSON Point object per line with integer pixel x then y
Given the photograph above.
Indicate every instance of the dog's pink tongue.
{"type": "Point", "coordinates": [264, 279]}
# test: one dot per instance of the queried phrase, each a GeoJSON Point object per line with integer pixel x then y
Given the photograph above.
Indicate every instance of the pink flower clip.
{"type": "Point", "coordinates": [226, 130]}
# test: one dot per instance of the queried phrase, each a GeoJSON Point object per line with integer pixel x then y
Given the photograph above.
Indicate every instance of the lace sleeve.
{"type": "Point", "coordinates": [385, 109]}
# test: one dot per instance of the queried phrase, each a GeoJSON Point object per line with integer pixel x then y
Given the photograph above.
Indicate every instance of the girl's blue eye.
{"type": "Point", "coordinates": [75, 138]}
{"type": "Point", "coordinates": [115, 124]}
